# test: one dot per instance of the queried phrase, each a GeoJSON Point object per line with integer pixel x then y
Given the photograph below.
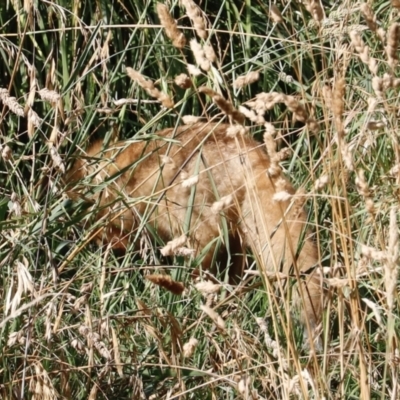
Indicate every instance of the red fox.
{"type": "Point", "coordinates": [190, 181]}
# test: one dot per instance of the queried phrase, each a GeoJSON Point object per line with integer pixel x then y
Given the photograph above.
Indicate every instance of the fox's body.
{"type": "Point", "coordinates": [146, 185]}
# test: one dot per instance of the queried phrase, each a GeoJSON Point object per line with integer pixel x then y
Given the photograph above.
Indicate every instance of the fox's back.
{"type": "Point", "coordinates": [196, 182]}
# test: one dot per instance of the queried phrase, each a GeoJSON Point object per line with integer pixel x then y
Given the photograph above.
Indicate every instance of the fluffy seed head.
{"type": "Point", "coordinates": [170, 26]}
{"type": "Point", "coordinates": [247, 79]}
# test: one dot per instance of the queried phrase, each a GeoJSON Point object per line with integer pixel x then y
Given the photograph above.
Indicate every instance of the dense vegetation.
{"type": "Point", "coordinates": [79, 321]}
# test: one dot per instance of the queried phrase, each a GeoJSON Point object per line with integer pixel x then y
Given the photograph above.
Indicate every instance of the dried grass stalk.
{"type": "Point", "coordinates": [191, 181]}
{"type": "Point", "coordinates": [338, 98]}
{"type": "Point", "coordinates": [224, 105]}
{"type": "Point", "coordinates": [148, 85]}
{"type": "Point", "coordinates": [377, 85]}
{"type": "Point", "coordinates": [393, 44]}
{"type": "Point", "coordinates": [6, 153]}
{"type": "Point", "coordinates": [196, 16]}
{"type": "Point", "coordinates": [235, 130]}
{"type": "Point", "coordinates": [391, 263]}
{"type": "Point", "coordinates": [167, 282]}
{"type": "Point", "coordinates": [170, 26]}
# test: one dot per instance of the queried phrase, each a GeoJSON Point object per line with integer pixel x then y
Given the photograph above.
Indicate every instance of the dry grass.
{"type": "Point", "coordinates": [319, 81]}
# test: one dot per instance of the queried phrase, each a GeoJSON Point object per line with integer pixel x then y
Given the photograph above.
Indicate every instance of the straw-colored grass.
{"type": "Point", "coordinates": [318, 81]}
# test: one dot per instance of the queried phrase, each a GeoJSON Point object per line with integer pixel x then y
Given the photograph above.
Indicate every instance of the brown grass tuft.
{"type": "Point", "coordinates": [167, 282]}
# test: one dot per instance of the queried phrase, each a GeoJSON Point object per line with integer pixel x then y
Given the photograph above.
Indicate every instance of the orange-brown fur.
{"type": "Point", "coordinates": [145, 188]}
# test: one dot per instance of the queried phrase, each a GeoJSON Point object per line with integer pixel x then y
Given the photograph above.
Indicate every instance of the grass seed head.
{"type": "Point", "coordinates": [191, 181]}
{"type": "Point", "coordinates": [377, 85]}
{"type": "Point", "coordinates": [183, 81]}
{"type": "Point", "coordinates": [209, 52]}
{"type": "Point", "coordinates": [11, 102]}
{"type": "Point", "coordinates": [171, 247]}
{"type": "Point", "coordinates": [148, 85]}
{"type": "Point", "coordinates": [189, 347]}
{"type": "Point", "coordinates": [193, 70]}
{"type": "Point", "coordinates": [199, 55]}
{"type": "Point", "coordinates": [170, 26]}
{"type": "Point", "coordinates": [370, 17]}
{"type": "Point", "coordinates": [338, 98]}
{"type": "Point", "coordinates": [275, 14]}
{"type": "Point", "coordinates": [393, 44]}
{"type": "Point", "coordinates": [247, 79]}
{"type": "Point", "coordinates": [49, 95]}
{"type": "Point", "coordinates": [167, 282]}
{"type": "Point", "coordinates": [190, 119]}
{"type": "Point", "coordinates": [196, 16]}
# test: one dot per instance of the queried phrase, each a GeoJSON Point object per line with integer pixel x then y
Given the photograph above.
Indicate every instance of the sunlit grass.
{"type": "Point", "coordinates": [80, 322]}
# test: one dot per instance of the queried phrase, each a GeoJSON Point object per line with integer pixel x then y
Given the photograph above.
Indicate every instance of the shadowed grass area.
{"type": "Point", "coordinates": [318, 81]}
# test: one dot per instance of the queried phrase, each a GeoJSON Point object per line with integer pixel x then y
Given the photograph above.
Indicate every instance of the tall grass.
{"type": "Point", "coordinates": [79, 322]}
